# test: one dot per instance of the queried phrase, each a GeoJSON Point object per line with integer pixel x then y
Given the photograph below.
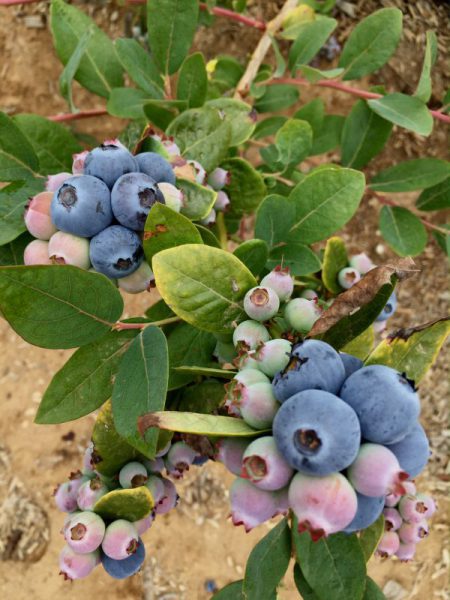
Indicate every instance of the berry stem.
{"type": "Point", "coordinates": [120, 326]}
{"type": "Point", "coordinates": [341, 87]}
{"type": "Point", "coordinates": [222, 230]}
{"type": "Point", "coordinates": [82, 114]}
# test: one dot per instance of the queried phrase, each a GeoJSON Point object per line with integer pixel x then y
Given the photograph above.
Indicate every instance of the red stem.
{"type": "Point", "coordinates": [337, 85]}
{"type": "Point", "coordinates": [83, 114]}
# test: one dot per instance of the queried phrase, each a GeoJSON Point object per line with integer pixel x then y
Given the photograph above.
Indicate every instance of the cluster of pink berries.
{"type": "Point", "coordinates": [405, 520]}
{"type": "Point", "coordinates": [117, 543]}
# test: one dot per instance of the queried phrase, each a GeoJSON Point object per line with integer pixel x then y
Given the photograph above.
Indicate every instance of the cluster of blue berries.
{"type": "Point", "coordinates": [116, 544]}
{"type": "Point", "coordinates": [94, 217]}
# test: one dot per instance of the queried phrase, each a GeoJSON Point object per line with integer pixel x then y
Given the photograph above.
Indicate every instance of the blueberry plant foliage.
{"type": "Point", "coordinates": [163, 374]}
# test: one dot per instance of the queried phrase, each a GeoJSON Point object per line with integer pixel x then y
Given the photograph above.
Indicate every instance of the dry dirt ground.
{"type": "Point", "coordinates": [196, 542]}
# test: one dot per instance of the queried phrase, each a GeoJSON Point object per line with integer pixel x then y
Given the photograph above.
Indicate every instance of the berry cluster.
{"type": "Point", "coordinates": [95, 215]}
{"type": "Point", "coordinates": [116, 544]}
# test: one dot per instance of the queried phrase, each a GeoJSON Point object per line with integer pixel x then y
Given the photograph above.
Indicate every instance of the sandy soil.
{"type": "Point", "coordinates": [196, 542]}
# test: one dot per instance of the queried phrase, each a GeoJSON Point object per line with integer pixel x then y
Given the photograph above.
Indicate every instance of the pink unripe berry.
{"type": "Point", "coordinates": [200, 173]}
{"type": "Point", "coordinates": [392, 519]}
{"type": "Point", "coordinates": [65, 498]}
{"type": "Point", "coordinates": [222, 202]}
{"type": "Point", "coordinates": [412, 509]}
{"type": "Point", "coordinates": [273, 356]}
{"type": "Point", "coordinates": [84, 532]}
{"type": "Point", "coordinates": [250, 376]}
{"type": "Point", "coordinates": [121, 539]}
{"type": "Point", "coordinates": [133, 475]}
{"type": "Point", "coordinates": [245, 361]}
{"type": "Point", "coordinates": [429, 503]}
{"type": "Point", "coordinates": [140, 281]}
{"type": "Point", "coordinates": [37, 216]}
{"type": "Point", "coordinates": [249, 334]}
{"type": "Point", "coordinates": [78, 163]}
{"type": "Point", "coordinates": [67, 249]}
{"type": "Point", "coordinates": [76, 566]}
{"type": "Point", "coordinates": [280, 281]}
{"type": "Point", "coordinates": [230, 452]}
{"type": "Point", "coordinates": [322, 505]}
{"type": "Point", "coordinates": [170, 499]}
{"type": "Point", "coordinates": [251, 506]}
{"type": "Point", "coordinates": [393, 499]}
{"type": "Point", "coordinates": [264, 465]}
{"type": "Point", "coordinates": [154, 466]}
{"type": "Point", "coordinates": [412, 533]}
{"type": "Point", "coordinates": [210, 218]}
{"type": "Point", "coordinates": [179, 458]}
{"type": "Point", "coordinates": [301, 314]}
{"type": "Point", "coordinates": [55, 181]}
{"type": "Point", "coordinates": [156, 486]}
{"type": "Point", "coordinates": [376, 472]}
{"type": "Point", "coordinates": [348, 277]}
{"type": "Point", "coordinates": [309, 294]}
{"type": "Point", "coordinates": [219, 178]}
{"type": "Point", "coordinates": [389, 544]}
{"type": "Point", "coordinates": [90, 492]}
{"type": "Point", "coordinates": [36, 253]}
{"type": "Point", "coordinates": [261, 303]}
{"type": "Point", "coordinates": [362, 263]}
{"type": "Point", "coordinates": [256, 403]}
{"type": "Point", "coordinates": [144, 524]}
{"type": "Point", "coordinates": [173, 197]}
{"type": "Point", "coordinates": [88, 463]}
{"type": "Point", "coordinates": [405, 552]}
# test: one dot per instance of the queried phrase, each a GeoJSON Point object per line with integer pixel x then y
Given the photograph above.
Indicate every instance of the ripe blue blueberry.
{"type": "Point", "coordinates": [413, 451]}
{"type": "Point", "coordinates": [314, 365]}
{"type": "Point", "coordinates": [317, 433]}
{"type": "Point", "coordinates": [132, 198]}
{"type": "Point", "coordinates": [82, 206]}
{"type": "Point", "coordinates": [367, 512]}
{"type": "Point", "coordinates": [156, 166]}
{"type": "Point", "coordinates": [108, 162]}
{"type": "Point", "coordinates": [261, 303]}
{"type": "Point", "coordinates": [389, 309]}
{"type": "Point", "coordinates": [116, 252]}
{"type": "Point", "coordinates": [351, 363]}
{"type": "Point", "coordinates": [121, 569]}
{"type": "Point", "coordinates": [385, 402]}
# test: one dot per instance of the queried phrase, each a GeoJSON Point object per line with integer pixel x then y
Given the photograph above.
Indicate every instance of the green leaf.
{"type": "Point", "coordinates": [268, 127]}
{"type": "Point", "coordinates": [205, 397]}
{"type": "Point", "coordinates": [159, 113]}
{"type": "Point", "coordinates": [165, 228]}
{"type": "Point", "coordinates": [232, 591]}
{"type": "Point", "coordinates": [58, 306]}
{"type": "Point", "coordinates": [198, 199]}
{"type": "Point", "coordinates": [311, 37]}
{"type": "Point", "coordinates": [239, 115]}
{"type": "Point", "coordinates": [159, 311]}
{"type": "Point", "coordinates": [372, 591]}
{"type": "Point", "coordinates": [203, 285]}
{"type": "Point", "coordinates": [364, 136]}
{"type": "Point", "coordinates": [413, 350]}
{"type": "Point", "coordinates": [246, 188]}
{"type": "Point", "coordinates": [188, 346]}
{"type": "Point", "coordinates": [127, 103]}
{"type": "Point", "coordinates": [140, 387]}
{"type": "Point", "coordinates": [267, 563]}
{"type": "Point", "coordinates": [171, 27]}
{"type": "Point", "coordinates": [302, 585]}
{"type": "Point", "coordinates": [13, 199]}
{"type": "Point", "coordinates": [226, 73]}
{"type": "Point", "coordinates": [314, 75]}
{"type": "Point", "coordinates": [203, 135]}
{"type": "Point", "coordinates": [362, 345]}
{"type": "Point", "coordinates": [52, 142]}
{"type": "Point", "coordinates": [17, 157]}
{"type": "Point", "coordinates": [300, 259]}
{"type": "Point", "coordinates": [423, 91]}
{"type": "Point", "coordinates": [436, 197]}
{"type": "Point", "coordinates": [404, 232]}
{"type": "Point", "coordinates": [207, 236]}
{"type": "Point", "coordinates": [370, 537]}
{"type": "Point", "coordinates": [279, 58]}
{"type": "Point", "coordinates": [371, 43]}
{"type": "Point", "coordinates": [342, 565]}
{"type": "Point", "coordinates": [111, 451]}
{"type": "Point", "coordinates": [254, 255]}
{"type": "Point", "coordinates": [85, 382]}
{"type": "Point", "coordinates": [329, 135]}
{"type": "Point", "coordinates": [12, 252]}
{"type": "Point", "coordinates": [411, 175]}
{"type": "Point", "coordinates": [294, 142]}
{"type": "Point", "coordinates": [443, 239]}
{"type": "Point", "coordinates": [334, 260]}
{"type": "Point", "coordinates": [273, 219]}
{"type": "Point", "coordinates": [277, 97]}
{"type": "Point", "coordinates": [407, 111]}
{"type": "Point", "coordinates": [140, 66]}
{"type": "Point", "coordinates": [199, 424]}
{"type": "Point", "coordinates": [324, 201]}
{"type": "Point", "coordinates": [206, 372]}
{"type": "Point", "coordinates": [193, 81]}
{"type": "Point", "coordinates": [129, 504]}
{"type": "Point", "coordinates": [99, 70]}
{"type": "Point", "coordinates": [313, 112]}
{"type": "Point", "coordinates": [69, 71]}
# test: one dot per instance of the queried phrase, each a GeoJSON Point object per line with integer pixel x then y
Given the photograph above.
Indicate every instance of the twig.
{"type": "Point", "coordinates": [222, 230]}
{"type": "Point", "coordinates": [261, 50]}
{"type": "Point", "coordinates": [82, 114]}
{"type": "Point", "coordinates": [120, 326]}
{"type": "Point", "coordinates": [341, 87]}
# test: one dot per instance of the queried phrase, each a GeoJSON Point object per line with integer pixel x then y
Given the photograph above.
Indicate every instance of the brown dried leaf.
{"type": "Point", "coordinates": [363, 292]}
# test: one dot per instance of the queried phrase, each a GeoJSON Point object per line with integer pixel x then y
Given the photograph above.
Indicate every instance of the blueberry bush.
{"type": "Point", "coordinates": [263, 351]}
